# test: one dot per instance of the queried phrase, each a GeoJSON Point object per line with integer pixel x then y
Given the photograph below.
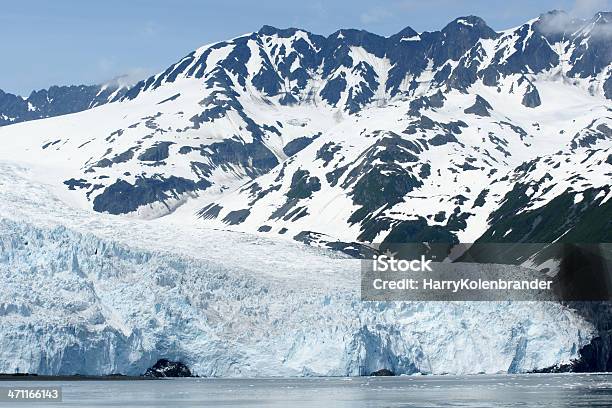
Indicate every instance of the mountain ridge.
{"type": "Point", "coordinates": [161, 225]}
{"type": "Point", "coordinates": [55, 101]}
{"type": "Point", "coordinates": [353, 136]}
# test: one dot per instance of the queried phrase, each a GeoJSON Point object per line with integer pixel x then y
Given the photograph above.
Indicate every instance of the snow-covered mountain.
{"type": "Point", "coordinates": [111, 252]}
{"type": "Point", "coordinates": [353, 137]}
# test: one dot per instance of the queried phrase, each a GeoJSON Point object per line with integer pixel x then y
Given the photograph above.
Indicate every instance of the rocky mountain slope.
{"type": "Point", "coordinates": [355, 137]}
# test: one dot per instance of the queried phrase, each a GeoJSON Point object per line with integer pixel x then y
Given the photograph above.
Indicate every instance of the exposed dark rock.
{"type": "Point", "coordinates": [73, 184]}
{"type": "Point", "coordinates": [360, 96]}
{"type": "Point", "coordinates": [516, 129]}
{"type": "Point", "coordinates": [296, 214]}
{"type": "Point", "coordinates": [353, 249]}
{"type": "Point", "coordinates": [437, 99]}
{"type": "Point", "coordinates": [327, 152]}
{"type": "Point", "coordinates": [383, 372]}
{"type": "Point", "coordinates": [440, 216]}
{"type": "Point", "coordinates": [590, 137]}
{"type": "Point", "coordinates": [378, 177]}
{"type": "Point", "coordinates": [467, 166]}
{"type": "Point", "coordinates": [298, 144]}
{"type": "Point", "coordinates": [211, 211]}
{"type": "Point", "coordinates": [254, 158]}
{"type": "Point", "coordinates": [259, 194]}
{"type": "Point", "coordinates": [50, 144]}
{"type": "Point", "coordinates": [333, 177]}
{"type": "Point", "coordinates": [419, 231]}
{"type": "Point", "coordinates": [426, 102]}
{"type": "Point", "coordinates": [591, 49]}
{"type": "Point", "coordinates": [560, 219]}
{"type": "Point", "coordinates": [103, 163]}
{"type": "Point", "coordinates": [166, 368]}
{"type": "Point", "coordinates": [237, 217]}
{"type": "Point", "coordinates": [382, 185]}
{"type": "Point", "coordinates": [113, 136]}
{"type": "Point", "coordinates": [302, 185]}
{"type": "Point", "coordinates": [439, 140]}
{"type": "Point", "coordinates": [596, 356]}
{"type": "Point", "coordinates": [283, 210]}
{"type": "Point", "coordinates": [173, 97]}
{"type": "Point", "coordinates": [333, 89]}
{"type": "Point", "coordinates": [531, 99]}
{"type": "Point", "coordinates": [481, 199]}
{"type": "Point", "coordinates": [480, 107]}
{"type": "Point", "coordinates": [425, 171]}
{"type": "Point", "coordinates": [607, 87]}
{"type": "Point", "coordinates": [125, 156]}
{"type": "Point", "coordinates": [158, 152]}
{"type": "Point", "coordinates": [459, 36]}
{"type": "Point", "coordinates": [287, 99]}
{"type": "Point", "coordinates": [122, 197]}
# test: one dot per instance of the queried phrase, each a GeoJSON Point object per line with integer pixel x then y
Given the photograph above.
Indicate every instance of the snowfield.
{"type": "Point", "coordinates": [89, 293]}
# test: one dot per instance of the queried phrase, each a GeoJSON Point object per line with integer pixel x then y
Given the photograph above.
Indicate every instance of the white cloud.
{"type": "Point", "coordinates": [130, 77]}
{"type": "Point", "coordinates": [575, 19]}
{"type": "Point", "coordinates": [109, 68]}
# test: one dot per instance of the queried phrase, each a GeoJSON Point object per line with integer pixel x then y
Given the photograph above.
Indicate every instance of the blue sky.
{"type": "Point", "coordinates": [73, 42]}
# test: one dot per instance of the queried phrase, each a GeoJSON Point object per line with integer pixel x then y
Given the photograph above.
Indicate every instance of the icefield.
{"type": "Point", "coordinates": [90, 293]}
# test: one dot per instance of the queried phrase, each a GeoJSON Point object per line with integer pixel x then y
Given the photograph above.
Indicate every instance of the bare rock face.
{"type": "Point", "coordinates": [166, 368]}
{"type": "Point", "coordinates": [383, 372]}
{"type": "Point", "coordinates": [531, 99]}
{"type": "Point", "coordinates": [480, 108]}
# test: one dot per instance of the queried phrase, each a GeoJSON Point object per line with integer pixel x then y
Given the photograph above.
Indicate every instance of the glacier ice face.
{"type": "Point", "coordinates": [74, 303]}
{"type": "Point", "coordinates": [95, 294]}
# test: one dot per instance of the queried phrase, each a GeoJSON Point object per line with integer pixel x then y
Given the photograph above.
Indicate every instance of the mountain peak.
{"type": "Point", "coordinates": [351, 33]}
{"type": "Point", "coordinates": [554, 13]}
{"type": "Point", "coordinates": [281, 32]}
{"type": "Point", "coordinates": [407, 32]}
{"type": "Point", "coordinates": [470, 24]}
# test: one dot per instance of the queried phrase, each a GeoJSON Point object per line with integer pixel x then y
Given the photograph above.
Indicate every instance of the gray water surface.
{"type": "Point", "coordinates": [541, 390]}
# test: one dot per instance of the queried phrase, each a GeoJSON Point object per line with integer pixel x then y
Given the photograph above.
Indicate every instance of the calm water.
{"type": "Point", "coordinates": [545, 390]}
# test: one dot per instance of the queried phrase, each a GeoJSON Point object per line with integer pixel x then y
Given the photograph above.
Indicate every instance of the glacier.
{"type": "Point", "coordinates": [89, 293]}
